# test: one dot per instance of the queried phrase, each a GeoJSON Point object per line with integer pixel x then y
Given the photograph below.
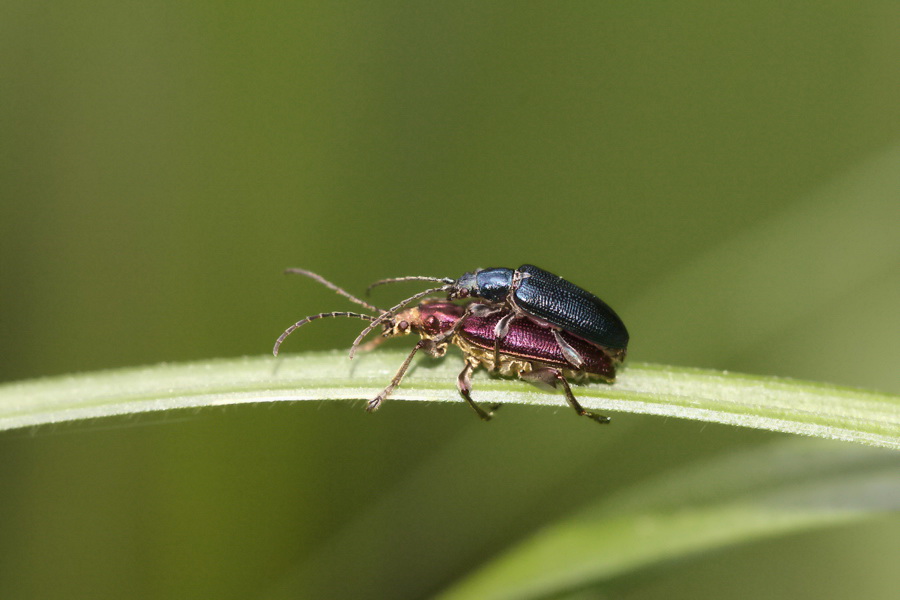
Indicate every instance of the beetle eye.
{"type": "Point", "coordinates": [402, 325]}
{"type": "Point", "coordinates": [432, 322]}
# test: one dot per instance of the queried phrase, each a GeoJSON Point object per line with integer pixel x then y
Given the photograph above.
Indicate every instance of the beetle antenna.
{"type": "Point", "coordinates": [390, 313]}
{"type": "Point", "coordinates": [303, 322]}
{"type": "Point", "coordinates": [330, 285]}
{"type": "Point", "coordinates": [408, 278]}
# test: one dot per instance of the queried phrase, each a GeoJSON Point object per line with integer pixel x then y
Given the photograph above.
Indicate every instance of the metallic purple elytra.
{"type": "Point", "coordinates": [529, 341]}
{"type": "Point", "coordinates": [527, 351]}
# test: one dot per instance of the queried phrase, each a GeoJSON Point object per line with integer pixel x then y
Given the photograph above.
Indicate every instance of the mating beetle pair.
{"type": "Point", "coordinates": [532, 324]}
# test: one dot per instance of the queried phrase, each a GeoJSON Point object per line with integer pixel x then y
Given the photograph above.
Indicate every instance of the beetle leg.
{"type": "Point", "coordinates": [568, 351]}
{"type": "Point", "coordinates": [464, 383]}
{"type": "Point", "coordinates": [481, 310]}
{"type": "Point", "coordinates": [442, 338]}
{"type": "Point", "coordinates": [475, 310]}
{"type": "Point", "coordinates": [500, 331]}
{"type": "Point", "coordinates": [552, 377]}
{"type": "Point", "coordinates": [375, 402]}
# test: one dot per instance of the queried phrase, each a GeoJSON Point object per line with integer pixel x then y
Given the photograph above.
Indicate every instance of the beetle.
{"type": "Point", "coordinates": [533, 293]}
{"type": "Point", "coordinates": [528, 351]}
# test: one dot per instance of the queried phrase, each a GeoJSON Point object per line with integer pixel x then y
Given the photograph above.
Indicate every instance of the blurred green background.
{"type": "Point", "coordinates": [726, 176]}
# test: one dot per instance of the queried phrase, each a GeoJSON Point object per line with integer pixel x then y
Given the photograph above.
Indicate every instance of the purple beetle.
{"type": "Point", "coordinates": [528, 351]}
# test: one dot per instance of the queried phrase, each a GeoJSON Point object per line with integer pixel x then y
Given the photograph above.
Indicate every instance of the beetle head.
{"type": "Point", "coordinates": [465, 287]}
{"type": "Point", "coordinates": [428, 319]}
{"type": "Point", "coordinates": [400, 324]}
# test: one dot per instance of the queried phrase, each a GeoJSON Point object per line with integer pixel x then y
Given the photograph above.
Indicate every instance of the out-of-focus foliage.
{"type": "Point", "coordinates": [724, 175]}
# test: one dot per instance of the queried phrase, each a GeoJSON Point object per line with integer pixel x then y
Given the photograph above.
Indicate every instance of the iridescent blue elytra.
{"type": "Point", "coordinates": [546, 298]}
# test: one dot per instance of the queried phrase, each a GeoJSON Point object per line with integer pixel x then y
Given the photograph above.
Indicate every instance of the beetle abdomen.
{"type": "Point", "coordinates": [565, 305]}
{"type": "Point", "coordinates": [531, 342]}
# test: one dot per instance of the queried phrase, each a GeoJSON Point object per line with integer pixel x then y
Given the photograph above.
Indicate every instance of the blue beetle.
{"type": "Point", "coordinates": [533, 293]}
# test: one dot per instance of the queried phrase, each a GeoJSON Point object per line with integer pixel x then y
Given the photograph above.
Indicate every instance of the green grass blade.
{"type": "Point", "coordinates": [766, 492]}
{"type": "Point", "coordinates": [750, 401]}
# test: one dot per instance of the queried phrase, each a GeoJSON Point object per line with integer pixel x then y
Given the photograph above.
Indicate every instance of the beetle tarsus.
{"type": "Point", "coordinates": [464, 384]}
{"type": "Point", "coordinates": [552, 377]}
{"type": "Point", "coordinates": [375, 402]}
